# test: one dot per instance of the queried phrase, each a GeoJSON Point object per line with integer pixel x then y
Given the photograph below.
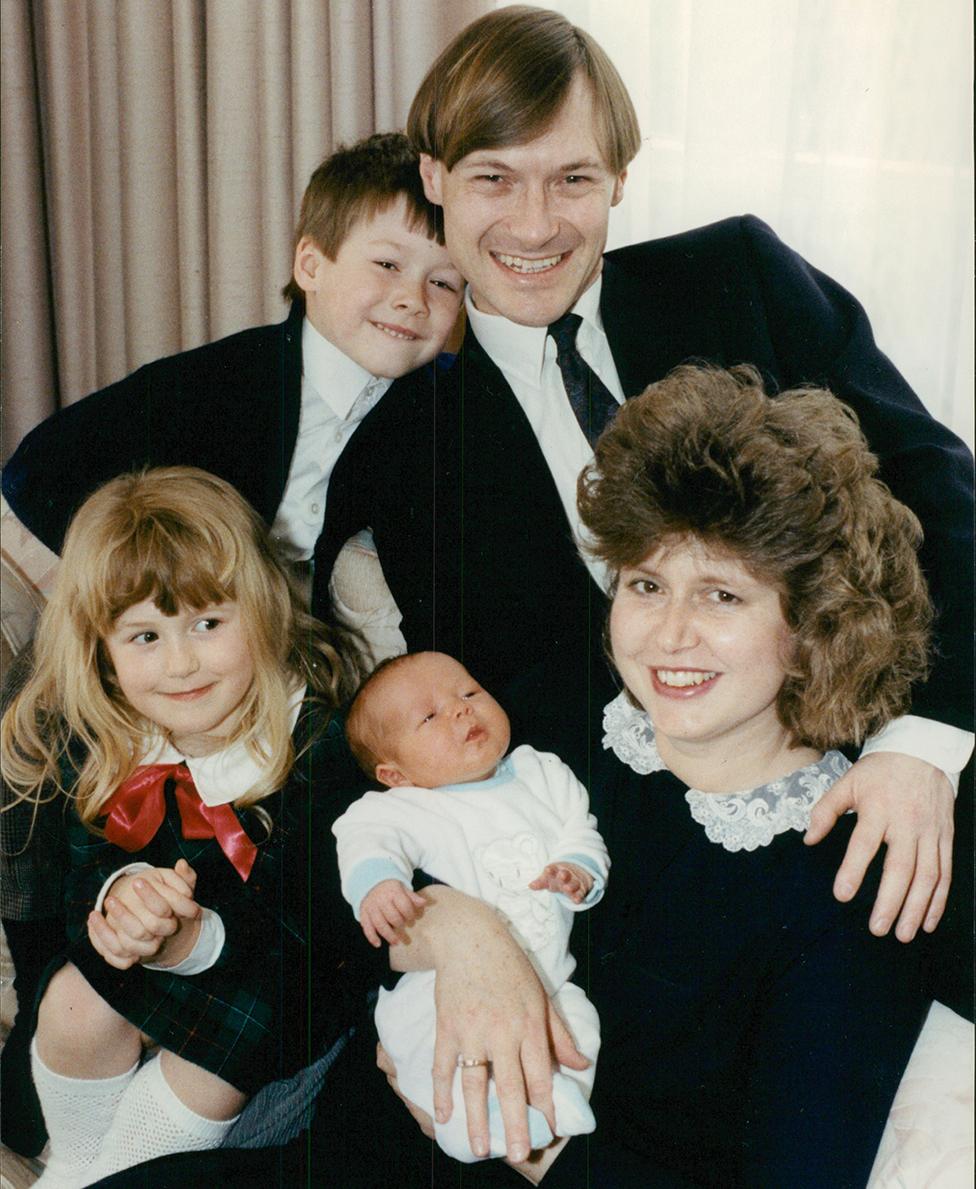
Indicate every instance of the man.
{"type": "Point", "coordinates": [525, 132]}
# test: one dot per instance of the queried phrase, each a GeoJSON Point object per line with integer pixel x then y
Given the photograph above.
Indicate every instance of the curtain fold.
{"type": "Point", "coordinates": [153, 159]}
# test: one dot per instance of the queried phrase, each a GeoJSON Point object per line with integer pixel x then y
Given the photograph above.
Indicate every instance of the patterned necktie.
{"type": "Point", "coordinates": [137, 808]}
{"type": "Point", "coordinates": [591, 400]}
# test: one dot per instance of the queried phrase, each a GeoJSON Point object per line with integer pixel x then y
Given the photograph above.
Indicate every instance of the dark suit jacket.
{"type": "Point", "coordinates": [230, 407]}
{"type": "Point", "coordinates": [472, 535]}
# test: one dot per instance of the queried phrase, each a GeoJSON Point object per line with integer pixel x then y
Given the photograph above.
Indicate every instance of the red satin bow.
{"type": "Point", "coordinates": [137, 808]}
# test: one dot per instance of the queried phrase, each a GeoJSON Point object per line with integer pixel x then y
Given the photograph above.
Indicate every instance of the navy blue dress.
{"type": "Point", "coordinates": [754, 1031]}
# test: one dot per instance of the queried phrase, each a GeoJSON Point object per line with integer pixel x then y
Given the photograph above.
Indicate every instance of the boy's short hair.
{"type": "Point", "coordinates": [502, 81]}
{"type": "Point", "coordinates": [356, 182]}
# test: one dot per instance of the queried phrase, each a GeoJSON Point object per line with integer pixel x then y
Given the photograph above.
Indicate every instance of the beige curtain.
{"type": "Point", "coordinates": [154, 154]}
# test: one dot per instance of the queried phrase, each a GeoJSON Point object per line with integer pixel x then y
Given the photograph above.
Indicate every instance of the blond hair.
{"type": "Point", "coordinates": [182, 538]}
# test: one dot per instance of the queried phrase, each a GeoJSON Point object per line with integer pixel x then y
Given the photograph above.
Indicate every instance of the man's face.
{"type": "Point", "coordinates": [527, 224]}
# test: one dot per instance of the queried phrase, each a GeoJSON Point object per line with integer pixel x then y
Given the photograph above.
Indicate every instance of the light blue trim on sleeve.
{"type": "Point", "coordinates": [599, 883]}
{"type": "Point", "coordinates": [365, 876]}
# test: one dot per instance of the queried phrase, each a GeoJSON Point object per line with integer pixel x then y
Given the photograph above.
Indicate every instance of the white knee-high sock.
{"type": "Point", "coordinates": [152, 1121]}
{"type": "Point", "coordinates": [78, 1112]}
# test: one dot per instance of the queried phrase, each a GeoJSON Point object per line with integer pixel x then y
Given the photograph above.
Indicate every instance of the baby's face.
{"type": "Point", "coordinates": [437, 725]}
{"type": "Point", "coordinates": [390, 298]}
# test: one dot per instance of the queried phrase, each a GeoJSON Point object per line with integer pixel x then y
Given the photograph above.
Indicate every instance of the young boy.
{"type": "Point", "coordinates": [513, 830]}
{"type": "Point", "coordinates": [269, 410]}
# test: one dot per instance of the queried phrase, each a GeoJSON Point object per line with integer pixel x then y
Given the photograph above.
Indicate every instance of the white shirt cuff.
{"type": "Point", "coordinates": [944, 747]}
{"type": "Point", "coordinates": [206, 950]}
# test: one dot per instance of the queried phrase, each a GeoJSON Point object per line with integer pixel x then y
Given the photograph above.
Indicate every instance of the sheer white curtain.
{"type": "Point", "coordinates": [845, 124]}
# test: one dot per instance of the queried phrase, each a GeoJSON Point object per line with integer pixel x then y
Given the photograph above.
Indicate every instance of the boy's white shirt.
{"type": "Point", "coordinates": [336, 395]}
{"type": "Point", "coordinates": [526, 357]}
{"type": "Point", "coordinates": [218, 778]}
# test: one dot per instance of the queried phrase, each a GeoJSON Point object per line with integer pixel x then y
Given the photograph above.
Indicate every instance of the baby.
{"type": "Point", "coordinates": [514, 830]}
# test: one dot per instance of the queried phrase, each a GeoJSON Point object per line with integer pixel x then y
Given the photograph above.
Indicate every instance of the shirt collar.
{"type": "Point", "coordinates": [523, 348]}
{"type": "Point", "coordinates": [222, 776]}
{"type": "Point", "coordinates": [335, 377]}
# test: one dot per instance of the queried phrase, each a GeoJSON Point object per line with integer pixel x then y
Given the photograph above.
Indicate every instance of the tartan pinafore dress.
{"type": "Point", "coordinates": [292, 975]}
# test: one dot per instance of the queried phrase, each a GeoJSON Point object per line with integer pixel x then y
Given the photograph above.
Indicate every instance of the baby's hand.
{"type": "Point", "coordinates": [565, 878]}
{"type": "Point", "coordinates": [385, 908]}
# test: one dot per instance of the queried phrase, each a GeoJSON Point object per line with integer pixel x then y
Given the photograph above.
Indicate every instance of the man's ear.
{"type": "Point", "coordinates": [430, 173]}
{"type": "Point", "coordinates": [618, 188]}
{"type": "Point", "coordinates": [307, 269]}
{"type": "Point", "coordinates": [391, 776]}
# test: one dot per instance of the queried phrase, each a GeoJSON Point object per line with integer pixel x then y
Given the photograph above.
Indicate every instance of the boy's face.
{"type": "Point", "coordinates": [435, 724]}
{"type": "Point", "coordinates": [389, 299]}
{"type": "Point", "coordinates": [527, 224]}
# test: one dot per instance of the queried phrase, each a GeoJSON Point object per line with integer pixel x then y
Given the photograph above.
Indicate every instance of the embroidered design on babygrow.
{"type": "Point", "coordinates": [510, 864]}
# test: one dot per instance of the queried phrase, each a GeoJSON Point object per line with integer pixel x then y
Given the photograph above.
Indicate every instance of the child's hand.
{"type": "Point", "coordinates": [117, 948]}
{"type": "Point", "coordinates": [388, 906]}
{"type": "Point", "coordinates": [147, 915]}
{"type": "Point", "coordinates": [566, 878]}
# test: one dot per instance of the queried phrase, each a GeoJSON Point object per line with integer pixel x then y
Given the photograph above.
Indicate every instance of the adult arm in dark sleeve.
{"type": "Point", "coordinates": [832, 1039]}
{"type": "Point", "coordinates": [819, 334]}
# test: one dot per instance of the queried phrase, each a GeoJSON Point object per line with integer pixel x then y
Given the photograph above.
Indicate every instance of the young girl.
{"type": "Point", "coordinates": [181, 701]}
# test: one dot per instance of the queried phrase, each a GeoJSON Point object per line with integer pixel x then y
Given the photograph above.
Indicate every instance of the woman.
{"type": "Point", "coordinates": [767, 608]}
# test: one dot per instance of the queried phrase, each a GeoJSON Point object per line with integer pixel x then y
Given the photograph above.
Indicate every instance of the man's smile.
{"type": "Point", "coordinates": [527, 265]}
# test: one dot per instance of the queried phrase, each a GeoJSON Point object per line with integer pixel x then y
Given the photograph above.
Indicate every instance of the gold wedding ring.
{"type": "Point", "coordinates": [471, 1062]}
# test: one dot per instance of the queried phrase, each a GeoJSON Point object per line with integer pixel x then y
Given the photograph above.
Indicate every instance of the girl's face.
{"type": "Point", "coordinates": [188, 673]}
{"type": "Point", "coordinates": [700, 643]}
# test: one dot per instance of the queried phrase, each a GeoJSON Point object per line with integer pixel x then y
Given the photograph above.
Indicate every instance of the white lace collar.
{"type": "Point", "coordinates": [737, 821]}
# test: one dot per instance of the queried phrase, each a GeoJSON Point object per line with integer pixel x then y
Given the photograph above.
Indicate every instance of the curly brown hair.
{"type": "Point", "coordinates": [787, 486]}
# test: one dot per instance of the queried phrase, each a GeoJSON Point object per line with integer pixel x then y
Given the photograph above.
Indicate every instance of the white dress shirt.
{"type": "Point", "coordinates": [526, 357]}
{"type": "Point", "coordinates": [336, 395]}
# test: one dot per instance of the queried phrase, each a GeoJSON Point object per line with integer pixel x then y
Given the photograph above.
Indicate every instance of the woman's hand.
{"type": "Point", "coordinates": [533, 1169]}
{"type": "Point", "coordinates": [491, 1006]}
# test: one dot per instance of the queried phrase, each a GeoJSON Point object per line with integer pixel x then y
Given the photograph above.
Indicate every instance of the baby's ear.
{"type": "Point", "coordinates": [391, 776]}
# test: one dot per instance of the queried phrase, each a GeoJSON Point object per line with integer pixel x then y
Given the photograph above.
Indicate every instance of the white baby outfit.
{"type": "Point", "coordinates": [489, 839]}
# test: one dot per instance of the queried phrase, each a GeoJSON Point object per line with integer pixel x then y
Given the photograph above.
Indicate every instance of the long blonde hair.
{"type": "Point", "coordinates": [183, 538]}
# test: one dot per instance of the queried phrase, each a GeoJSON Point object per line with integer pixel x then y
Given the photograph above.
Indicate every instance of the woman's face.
{"type": "Point", "coordinates": [700, 643]}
